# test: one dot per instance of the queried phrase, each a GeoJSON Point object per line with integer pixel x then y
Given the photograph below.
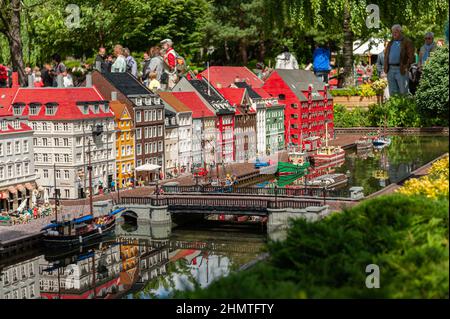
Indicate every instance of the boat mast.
{"type": "Point", "coordinates": [90, 179]}
{"type": "Point", "coordinates": [56, 196]}
{"type": "Point", "coordinates": [326, 134]}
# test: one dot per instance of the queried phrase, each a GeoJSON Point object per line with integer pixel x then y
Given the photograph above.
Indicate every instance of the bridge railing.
{"type": "Point", "coordinates": [221, 203]}
{"type": "Point", "coordinates": [255, 191]}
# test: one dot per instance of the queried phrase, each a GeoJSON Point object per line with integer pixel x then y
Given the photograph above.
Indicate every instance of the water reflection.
{"type": "Point", "coordinates": [140, 261]}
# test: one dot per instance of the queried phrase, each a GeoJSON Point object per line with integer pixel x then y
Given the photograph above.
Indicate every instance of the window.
{"type": "Point", "coordinates": [34, 109]}
{"type": "Point", "coordinates": [66, 142]}
{"type": "Point", "coordinates": [9, 148]}
{"type": "Point", "coordinates": [18, 169]}
{"type": "Point", "coordinates": [154, 115]}
{"type": "Point", "coordinates": [96, 109]}
{"type": "Point", "coordinates": [146, 116]}
{"type": "Point", "coordinates": [1, 149]}
{"type": "Point", "coordinates": [58, 174]}
{"type": "Point", "coordinates": [138, 116]}
{"type": "Point", "coordinates": [138, 133]}
{"type": "Point", "coordinates": [10, 171]}
{"type": "Point", "coordinates": [56, 141]}
{"type": "Point", "coordinates": [160, 130]}
{"type": "Point", "coordinates": [66, 158]}
{"type": "Point", "coordinates": [154, 131]}
{"type": "Point", "coordinates": [25, 146]}
{"type": "Point", "coordinates": [66, 193]}
{"type": "Point", "coordinates": [66, 126]}
{"type": "Point", "coordinates": [139, 162]}
{"type": "Point", "coordinates": [160, 146]}
{"type": "Point", "coordinates": [44, 141]}
{"type": "Point", "coordinates": [44, 126]}
{"type": "Point", "coordinates": [159, 115]}
{"type": "Point", "coordinates": [138, 149]}
{"type": "Point", "coordinates": [122, 151]}
{"type": "Point", "coordinates": [2, 172]}
{"type": "Point", "coordinates": [50, 110]}
{"type": "Point", "coordinates": [146, 132]}
{"type": "Point", "coordinates": [78, 141]}
{"type": "Point", "coordinates": [57, 158]}
{"type": "Point", "coordinates": [26, 168]}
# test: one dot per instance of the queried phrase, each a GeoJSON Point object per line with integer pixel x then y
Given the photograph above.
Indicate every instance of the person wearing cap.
{"type": "Point", "coordinates": [169, 54]}
{"type": "Point", "coordinates": [426, 49]}
{"type": "Point", "coordinates": [286, 60]}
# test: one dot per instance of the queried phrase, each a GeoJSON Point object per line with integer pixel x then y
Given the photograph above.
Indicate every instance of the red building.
{"type": "Point", "coordinates": [309, 106]}
{"type": "Point", "coordinates": [226, 76]}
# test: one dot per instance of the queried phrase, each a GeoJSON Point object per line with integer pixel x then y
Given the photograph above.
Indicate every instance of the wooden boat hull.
{"type": "Point", "coordinates": [81, 240]}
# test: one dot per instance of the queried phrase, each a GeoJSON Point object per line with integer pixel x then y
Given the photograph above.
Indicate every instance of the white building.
{"type": "Point", "coordinates": [21, 280]}
{"type": "Point", "coordinates": [17, 172]}
{"type": "Point", "coordinates": [69, 124]}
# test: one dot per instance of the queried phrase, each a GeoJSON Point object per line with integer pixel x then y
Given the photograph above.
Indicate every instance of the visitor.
{"type": "Point", "coordinates": [67, 79]}
{"type": "Point", "coordinates": [146, 69]}
{"type": "Point", "coordinates": [58, 69]}
{"type": "Point", "coordinates": [380, 62]}
{"type": "Point", "coordinates": [426, 49]}
{"type": "Point", "coordinates": [109, 62]}
{"type": "Point", "coordinates": [398, 57]}
{"type": "Point", "coordinates": [131, 62]}
{"type": "Point", "coordinates": [47, 75]}
{"type": "Point", "coordinates": [28, 72]}
{"type": "Point", "coordinates": [154, 84]}
{"type": "Point", "coordinates": [286, 60]}
{"type": "Point", "coordinates": [321, 62]}
{"type": "Point", "coordinates": [100, 60]}
{"type": "Point", "coordinates": [38, 82]}
{"type": "Point", "coordinates": [170, 60]}
{"type": "Point", "coordinates": [3, 76]}
{"type": "Point", "coordinates": [156, 62]}
{"type": "Point", "coordinates": [119, 65]}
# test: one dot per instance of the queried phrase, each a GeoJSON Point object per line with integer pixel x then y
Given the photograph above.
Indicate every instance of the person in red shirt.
{"type": "Point", "coordinates": [169, 54]}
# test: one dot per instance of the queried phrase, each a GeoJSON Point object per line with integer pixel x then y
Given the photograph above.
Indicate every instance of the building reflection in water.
{"type": "Point", "coordinates": [19, 279]}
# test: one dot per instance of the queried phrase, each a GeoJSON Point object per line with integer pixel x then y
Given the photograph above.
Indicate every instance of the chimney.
{"type": "Point", "coordinates": [15, 80]}
{"type": "Point", "coordinates": [59, 81]}
{"type": "Point", "coordinates": [114, 96]}
{"type": "Point", "coordinates": [89, 80]}
{"type": "Point", "coordinates": [30, 81]}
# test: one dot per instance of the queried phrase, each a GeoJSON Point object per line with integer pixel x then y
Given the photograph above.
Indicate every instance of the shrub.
{"type": "Point", "coordinates": [345, 118]}
{"type": "Point", "coordinates": [406, 236]}
{"type": "Point", "coordinates": [432, 94]}
{"type": "Point", "coordinates": [401, 112]}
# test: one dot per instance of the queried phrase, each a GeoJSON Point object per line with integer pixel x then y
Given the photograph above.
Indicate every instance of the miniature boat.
{"type": "Point", "coordinates": [327, 154]}
{"type": "Point", "coordinates": [382, 142]}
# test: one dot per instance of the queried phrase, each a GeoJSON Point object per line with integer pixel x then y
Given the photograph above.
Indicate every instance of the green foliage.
{"type": "Point", "coordinates": [345, 118]}
{"type": "Point", "coordinates": [407, 237]}
{"type": "Point", "coordinates": [348, 91]}
{"type": "Point", "coordinates": [432, 95]}
{"type": "Point", "coordinates": [401, 111]}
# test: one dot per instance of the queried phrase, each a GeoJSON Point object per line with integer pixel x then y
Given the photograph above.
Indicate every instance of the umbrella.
{"type": "Point", "coordinates": [33, 199]}
{"type": "Point", "coordinates": [46, 196]}
{"type": "Point", "coordinates": [22, 206]}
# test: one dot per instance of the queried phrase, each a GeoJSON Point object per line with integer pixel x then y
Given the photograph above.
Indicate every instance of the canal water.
{"type": "Point", "coordinates": [375, 169]}
{"type": "Point", "coordinates": [137, 262]}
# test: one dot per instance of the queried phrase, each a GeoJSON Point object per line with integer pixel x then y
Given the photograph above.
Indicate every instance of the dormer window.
{"type": "Point", "coordinates": [4, 125]}
{"type": "Point", "coordinates": [18, 108]}
{"type": "Point", "coordinates": [34, 108]}
{"type": "Point", "coordinates": [106, 108]}
{"type": "Point", "coordinates": [148, 101]}
{"type": "Point", "coordinates": [85, 109]}
{"type": "Point", "coordinates": [139, 102]}
{"type": "Point", "coordinates": [50, 108]}
{"type": "Point", "coordinates": [96, 108]}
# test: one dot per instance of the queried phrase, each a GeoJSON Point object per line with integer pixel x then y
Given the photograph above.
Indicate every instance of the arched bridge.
{"type": "Point", "coordinates": [210, 203]}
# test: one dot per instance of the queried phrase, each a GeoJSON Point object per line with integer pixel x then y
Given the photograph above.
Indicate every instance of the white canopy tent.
{"type": "Point", "coordinates": [148, 168]}
{"type": "Point", "coordinates": [373, 46]}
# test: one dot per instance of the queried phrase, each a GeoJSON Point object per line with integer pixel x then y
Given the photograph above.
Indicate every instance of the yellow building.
{"type": "Point", "coordinates": [124, 144]}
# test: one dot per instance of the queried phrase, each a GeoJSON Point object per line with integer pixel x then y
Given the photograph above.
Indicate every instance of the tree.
{"type": "Point", "coordinates": [432, 96]}
{"type": "Point", "coordinates": [345, 20]}
{"type": "Point", "coordinates": [10, 14]}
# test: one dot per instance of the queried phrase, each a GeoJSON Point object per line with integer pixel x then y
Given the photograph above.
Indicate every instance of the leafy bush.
{"type": "Point", "coordinates": [435, 185]}
{"type": "Point", "coordinates": [401, 112]}
{"type": "Point", "coordinates": [367, 90]}
{"type": "Point", "coordinates": [432, 94]}
{"type": "Point", "coordinates": [406, 236]}
{"type": "Point", "coordinates": [345, 118]}
{"type": "Point", "coordinates": [349, 91]}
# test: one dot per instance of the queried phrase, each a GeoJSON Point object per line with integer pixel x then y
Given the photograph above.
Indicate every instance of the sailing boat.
{"type": "Point", "coordinates": [328, 153]}
{"type": "Point", "coordinates": [383, 140]}
{"type": "Point", "coordinates": [78, 231]}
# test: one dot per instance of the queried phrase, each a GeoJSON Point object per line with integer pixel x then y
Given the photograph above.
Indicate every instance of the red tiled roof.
{"type": "Point", "coordinates": [233, 95]}
{"type": "Point", "coordinates": [226, 75]}
{"type": "Point", "coordinates": [175, 103]}
{"type": "Point", "coordinates": [23, 128]}
{"type": "Point", "coordinates": [193, 102]}
{"type": "Point", "coordinates": [66, 99]}
{"type": "Point", "coordinates": [6, 98]}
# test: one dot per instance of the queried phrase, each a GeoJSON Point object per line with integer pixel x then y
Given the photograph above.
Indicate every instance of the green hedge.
{"type": "Point", "coordinates": [407, 237]}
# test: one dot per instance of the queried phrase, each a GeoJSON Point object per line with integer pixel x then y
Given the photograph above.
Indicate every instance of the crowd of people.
{"type": "Point", "coordinates": [27, 215]}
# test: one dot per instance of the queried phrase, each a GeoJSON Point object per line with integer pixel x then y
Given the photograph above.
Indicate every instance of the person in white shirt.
{"type": "Point", "coordinates": [67, 79]}
{"type": "Point", "coordinates": [120, 65]}
{"type": "Point", "coordinates": [286, 60]}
